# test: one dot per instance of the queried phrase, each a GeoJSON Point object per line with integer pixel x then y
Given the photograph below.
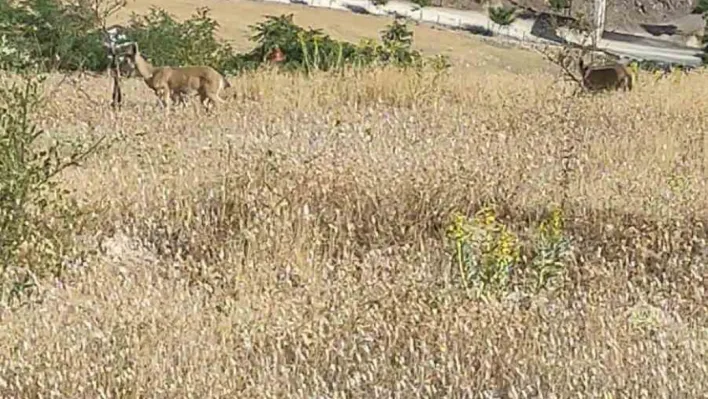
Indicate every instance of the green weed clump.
{"type": "Point", "coordinates": [552, 251]}
{"type": "Point", "coordinates": [488, 254]}
{"type": "Point", "coordinates": [37, 222]}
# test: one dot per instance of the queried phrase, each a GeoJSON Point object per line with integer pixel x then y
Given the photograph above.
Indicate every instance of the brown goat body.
{"type": "Point", "coordinates": [176, 83]}
{"type": "Point", "coordinates": [614, 76]}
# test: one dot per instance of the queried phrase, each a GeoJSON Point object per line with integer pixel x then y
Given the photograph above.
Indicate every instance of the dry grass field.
{"type": "Point", "coordinates": [293, 245]}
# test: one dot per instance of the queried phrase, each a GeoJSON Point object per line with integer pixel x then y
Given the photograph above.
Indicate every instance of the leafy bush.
{"type": "Point", "coordinates": [303, 49]}
{"type": "Point", "coordinates": [397, 42]}
{"type": "Point", "coordinates": [502, 15]}
{"type": "Point", "coordinates": [35, 220]}
{"type": "Point", "coordinates": [166, 41]}
{"type": "Point", "coordinates": [54, 35]}
{"type": "Point", "coordinates": [313, 49]}
{"type": "Point", "coordinates": [12, 58]}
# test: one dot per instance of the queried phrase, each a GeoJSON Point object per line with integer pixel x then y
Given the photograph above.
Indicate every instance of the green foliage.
{"type": "Point", "coordinates": [397, 34]}
{"type": "Point", "coordinates": [36, 222]}
{"type": "Point", "coordinates": [502, 15]}
{"type": "Point", "coordinates": [313, 49]}
{"type": "Point", "coordinates": [439, 63]}
{"type": "Point", "coordinates": [701, 7]}
{"type": "Point", "coordinates": [50, 35]}
{"type": "Point", "coordinates": [307, 50]}
{"type": "Point", "coordinates": [397, 41]}
{"type": "Point", "coordinates": [12, 58]}
{"type": "Point", "coordinates": [559, 5]}
{"type": "Point", "coordinates": [422, 3]}
{"type": "Point", "coordinates": [53, 35]}
{"type": "Point", "coordinates": [166, 41]}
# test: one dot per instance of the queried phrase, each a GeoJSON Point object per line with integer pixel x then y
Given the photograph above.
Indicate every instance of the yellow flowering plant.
{"type": "Point", "coordinates": [486, 252]}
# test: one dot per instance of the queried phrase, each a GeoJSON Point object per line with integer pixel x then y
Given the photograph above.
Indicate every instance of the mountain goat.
{"type": "Point", "coordinates": [614, 76]}
{"type": "Point", "coordinates": [175, 83]}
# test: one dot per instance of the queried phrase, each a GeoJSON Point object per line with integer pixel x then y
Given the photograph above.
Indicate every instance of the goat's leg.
{"type": "Point", "coordinates": [164, 95]}
{"type": "Point", "coordinates": [180, 97]}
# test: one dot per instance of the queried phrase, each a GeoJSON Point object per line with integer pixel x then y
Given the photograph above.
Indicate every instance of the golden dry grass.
{"type": "Point", "coordinates": [293, 245]}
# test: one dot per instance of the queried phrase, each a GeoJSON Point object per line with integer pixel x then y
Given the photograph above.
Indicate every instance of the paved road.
{"type": "Point", "coordinates": [622, 45]}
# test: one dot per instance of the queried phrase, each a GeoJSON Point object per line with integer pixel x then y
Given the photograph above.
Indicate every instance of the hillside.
{"type": "Point", "coordinates": [622, 15]}
{"type": "Point", "coordinates": [235, 17]}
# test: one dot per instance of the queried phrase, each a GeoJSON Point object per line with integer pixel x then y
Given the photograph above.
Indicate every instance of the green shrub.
{"type": "Point", "coordinates": [397, 41]}
{"type": "Point", "coordinates": [396, 48]}
{"type": "Point", "coordinates": [54, 35]}
{"type": "Point", "coordinates": [303, 49]}
{"type": "Point", "coordinates": [36, 221]}
{"type": "Point", "coordinates": [166, 41]}
{"type": "Point", "coordinates": [503, 16]}
{"type": "Point", "coordinates": [422, 3]}
{"type": "Point", "coordinates": [701, 7]}
{"type": "Point", "coordinates": [12, 58]}
{"type": "Point", "coordinates": [313, 49]}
